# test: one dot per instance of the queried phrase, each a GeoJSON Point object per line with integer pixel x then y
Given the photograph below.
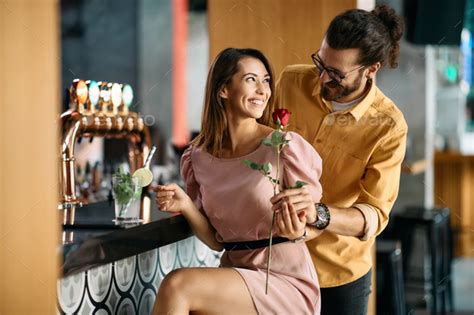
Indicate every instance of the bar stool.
{"type": "Point", "coordinates": [390, 283]}
{"type": "Point", "coordinates": [435, 224]}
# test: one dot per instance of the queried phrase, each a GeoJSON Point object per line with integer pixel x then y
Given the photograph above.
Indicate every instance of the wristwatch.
{"type": "Point", "coordinates": [322, 216]}
{"type": "Point", "coordinates": [301, 238]}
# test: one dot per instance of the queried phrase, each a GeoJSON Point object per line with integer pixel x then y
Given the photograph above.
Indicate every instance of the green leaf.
{"type": "Point", "coordinates": [123, 186]}
{"type": "Point", "coordinates": [298, 184]}
{"type": "Point", "coordinates": [267, 168]}
{"type": "Point", "coordinates": [252, 165]}
{"type": "Point", "coordinates": [277, 138]}
{"type": "Point", "coordinates": [267, 142]}
{"type": "Point", "coordinates": [255, 166]}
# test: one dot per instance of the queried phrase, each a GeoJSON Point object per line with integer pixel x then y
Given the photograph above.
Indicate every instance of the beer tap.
{"type": "Point", "coordinates": [99, 109]}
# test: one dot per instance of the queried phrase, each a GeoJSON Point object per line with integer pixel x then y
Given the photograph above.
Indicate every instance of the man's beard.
{"type": "Point", "coordinates": [332, 91]}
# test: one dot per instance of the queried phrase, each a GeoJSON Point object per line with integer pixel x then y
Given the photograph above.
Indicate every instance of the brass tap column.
{"type": "Point", "coordinates": [99, 109]}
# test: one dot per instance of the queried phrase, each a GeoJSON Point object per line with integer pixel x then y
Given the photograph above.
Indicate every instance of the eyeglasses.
{"type": "Point", "coordinates": [333, 74]}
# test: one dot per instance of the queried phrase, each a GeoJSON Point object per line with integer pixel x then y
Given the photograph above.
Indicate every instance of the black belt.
{"type": "Point", "coordinates": [253, 244]}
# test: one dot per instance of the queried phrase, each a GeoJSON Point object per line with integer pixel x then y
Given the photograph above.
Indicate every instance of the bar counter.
{"type": "Point", "coordinates": [92, 238]}
{"type": "Point", "coordinates": [117, 269]}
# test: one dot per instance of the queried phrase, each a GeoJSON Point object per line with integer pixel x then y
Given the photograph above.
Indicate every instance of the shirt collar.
{"type": "Point", "coordinates": [357, 111]}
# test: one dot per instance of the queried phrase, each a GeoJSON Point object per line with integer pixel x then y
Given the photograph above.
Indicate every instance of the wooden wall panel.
{"type": "Point", "coordinates": [454, 188]}
{"type": "Point", "coordinates": [287, 31]}
{"type": "Point", "coordinates": [29, 108]}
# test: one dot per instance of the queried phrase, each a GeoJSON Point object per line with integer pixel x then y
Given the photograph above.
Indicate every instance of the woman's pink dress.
{"type": "Point", "coordinates": [236, 200]}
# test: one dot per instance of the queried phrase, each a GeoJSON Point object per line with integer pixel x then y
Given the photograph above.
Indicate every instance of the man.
{"type": "Point", "coordinates": [360, 135]}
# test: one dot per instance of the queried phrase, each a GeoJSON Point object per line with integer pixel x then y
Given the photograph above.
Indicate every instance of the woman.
{"type": "Point", "coordinates": [228, 205]}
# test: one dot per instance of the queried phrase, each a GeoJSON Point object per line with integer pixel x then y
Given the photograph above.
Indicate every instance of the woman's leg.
{"type": "Point", "coordinates": [204, 290]}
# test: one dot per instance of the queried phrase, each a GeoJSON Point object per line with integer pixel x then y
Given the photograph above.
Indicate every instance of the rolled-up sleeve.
{"type": "Point", "coordinates": [371, 219]}
{"type": "Point", "coordinates": [380, 184]}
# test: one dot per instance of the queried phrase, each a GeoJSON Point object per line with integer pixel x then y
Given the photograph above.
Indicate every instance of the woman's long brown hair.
{"type": "Point", "coordinates": [214, 122]}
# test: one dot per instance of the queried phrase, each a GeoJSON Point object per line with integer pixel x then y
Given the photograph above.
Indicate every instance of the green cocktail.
{"type": "Point", "coordinates": [127, 192]}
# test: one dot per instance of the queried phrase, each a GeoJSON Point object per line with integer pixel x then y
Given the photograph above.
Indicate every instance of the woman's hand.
{"type": "Point", "coordinates": [299, 198]}
{"type": "Point", "coordinates": [291, 224]}
{"type": "Point", "coordinates": [171, 198]}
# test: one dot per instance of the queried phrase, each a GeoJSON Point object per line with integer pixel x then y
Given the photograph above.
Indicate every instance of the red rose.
{"type": "Point", "coordinates": [283, 114]}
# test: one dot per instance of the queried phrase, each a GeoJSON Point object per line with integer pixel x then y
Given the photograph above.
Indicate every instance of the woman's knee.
{"type": "Point", "coordinates": [174, 283]}
{"type": "Point", "coordinates": [171, 296]}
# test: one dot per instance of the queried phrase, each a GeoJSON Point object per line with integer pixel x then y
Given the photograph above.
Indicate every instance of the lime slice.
{"type": "Point", "coordinates": [144, 176]}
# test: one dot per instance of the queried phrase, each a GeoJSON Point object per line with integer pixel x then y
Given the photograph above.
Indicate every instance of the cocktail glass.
{"type": "Point", "coordinates": [127, 196]}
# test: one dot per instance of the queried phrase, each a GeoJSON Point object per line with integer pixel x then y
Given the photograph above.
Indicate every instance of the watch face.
{"type": "Point", "coordinates": [323, 216]}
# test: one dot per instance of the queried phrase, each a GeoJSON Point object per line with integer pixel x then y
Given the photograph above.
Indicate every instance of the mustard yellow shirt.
{"type": "Point", "coordinates": [362, 149]}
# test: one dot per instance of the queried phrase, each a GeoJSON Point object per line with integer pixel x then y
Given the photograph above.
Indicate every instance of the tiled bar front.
{"type": "Point", "coordinates": [116, 270]}
{"type": "Point", "coordinates": [129, 286]}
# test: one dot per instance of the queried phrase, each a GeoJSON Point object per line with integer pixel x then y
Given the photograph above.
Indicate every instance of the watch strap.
{"type": "Point", "coordinates": [301, 238]}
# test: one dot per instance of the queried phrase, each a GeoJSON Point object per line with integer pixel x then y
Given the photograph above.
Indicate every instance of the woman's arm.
{"type": "Point", "coordinates": [171, 198]}
{"type": "Point", "coordinates": [202, 228]}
